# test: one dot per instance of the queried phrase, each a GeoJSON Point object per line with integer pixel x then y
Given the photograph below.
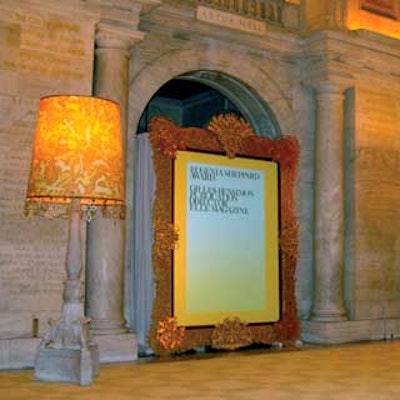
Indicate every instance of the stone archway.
{"type": "Point", "coordinates": [209, 89]}
{"type": "Point", "coordinates": [252, 87]}
{"type": "Point", "coordinates": [253, 108]}
{"type": "Point", "coordinates": [259, 99]}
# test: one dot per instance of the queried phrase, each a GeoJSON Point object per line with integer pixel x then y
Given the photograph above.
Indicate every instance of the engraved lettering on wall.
{"type": "Point", "coordinates": [40, 54]}
{"type": "Point", "coordinates": [45, 47]}
{"type": "Point", "coordinates": [265, 10]}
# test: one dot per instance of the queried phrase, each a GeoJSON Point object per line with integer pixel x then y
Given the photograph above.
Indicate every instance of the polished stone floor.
{"type": "Point", "coordinates": [355, 372]}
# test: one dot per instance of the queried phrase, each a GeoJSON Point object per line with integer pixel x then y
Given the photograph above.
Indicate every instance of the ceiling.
{"type": "Point", "coordinates": [182, 89]}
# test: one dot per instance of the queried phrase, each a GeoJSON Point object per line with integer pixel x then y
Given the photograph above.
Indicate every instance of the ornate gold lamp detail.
{"type": "Point", "coordinates": [77, 164]}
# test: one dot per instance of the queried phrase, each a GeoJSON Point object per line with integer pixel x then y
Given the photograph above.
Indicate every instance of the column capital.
{"type": "Point", "coordinates": [332, 86]}
{"type": "Point", "coordinates": [329, 87]}
{"type": "Point", "coordinates": [111, 36]}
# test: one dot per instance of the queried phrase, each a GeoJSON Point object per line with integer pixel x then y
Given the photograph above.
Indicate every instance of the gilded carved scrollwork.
{"type": "Point", "coordinates": [288, 240]}
{"type": "Point", "coordinates": [231, 334]}
{"type": "Point", "coordinates": [231, 132]}
{"type": "Point", "coordinates": [165, 237]}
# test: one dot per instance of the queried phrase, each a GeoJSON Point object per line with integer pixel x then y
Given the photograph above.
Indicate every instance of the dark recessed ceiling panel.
{"type": "Point", "coordinates": [182, 89]}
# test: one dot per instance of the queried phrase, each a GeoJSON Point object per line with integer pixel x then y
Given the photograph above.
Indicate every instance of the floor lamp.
{"type": "Point", "coordinates": [77, 166]}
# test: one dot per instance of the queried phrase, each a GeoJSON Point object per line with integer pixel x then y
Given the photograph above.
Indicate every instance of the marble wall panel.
{"type": "Point", "coordinates": [41, 53]}
{"type": "Point", "coordinates": [47, 53]}
{"type": "Point", "coordinates": [377, 212]}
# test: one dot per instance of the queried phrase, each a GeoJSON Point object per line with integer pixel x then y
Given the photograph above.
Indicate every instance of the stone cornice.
{"type": "Point", "coordinates": [109, 35]}
{"type": "Point", "coordinates": [332, 87]}
{"type": "Point", "coordinates": [368, 40]}
{"type": "Point", "coordinates": [340, 56]}
{"type": "Point", "coordinates": [181, 23]}
{"type": "Point", "coordinates": [123, 12]}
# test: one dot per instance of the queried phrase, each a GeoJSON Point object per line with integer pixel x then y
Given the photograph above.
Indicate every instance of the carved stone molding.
{"type": "Point", "coordinates": [330, 88]}
{"type": "Point", "coordinates": [126, 12]}
{"type": "Point", "coordinates": [113, 36]}
{"type": "Point", "coordinates": [265, 10]}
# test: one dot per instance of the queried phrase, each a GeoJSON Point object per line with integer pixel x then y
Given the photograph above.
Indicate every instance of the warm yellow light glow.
{"type": "Point", "coordinates": [77, 152]}
{"type": "Point", "coordinates": [361, 18]}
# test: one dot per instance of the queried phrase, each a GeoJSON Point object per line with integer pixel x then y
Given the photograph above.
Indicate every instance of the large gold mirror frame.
{"type": "Point", "coordinates": [229, 135]}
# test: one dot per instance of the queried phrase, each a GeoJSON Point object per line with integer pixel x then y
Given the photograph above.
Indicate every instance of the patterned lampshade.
{"type": "Point", "coordinates": [77, 152]}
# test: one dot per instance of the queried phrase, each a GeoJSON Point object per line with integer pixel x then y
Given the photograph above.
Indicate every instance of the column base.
{"type": "Point", "coordinates": [336, 332]}
{"type": "Point", "coordinates": [67, 365]}
{"type": "Point", "coordinates": [103, 326]}
{"type": "Point", "coordinates": [117, 347]}
{"type": "Point", "coordinates": [327, 314]}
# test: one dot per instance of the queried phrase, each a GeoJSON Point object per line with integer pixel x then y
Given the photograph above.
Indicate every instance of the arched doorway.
{"type": "Point", "coordinates": [189, 99]}
{"type": "Point", "coordinates": [192, 99]}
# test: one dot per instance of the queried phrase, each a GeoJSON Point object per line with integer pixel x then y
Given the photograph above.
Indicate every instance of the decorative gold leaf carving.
{"type": "Point", "coordinates": [288, 242]}
{"type": "Point", "coordinates": [169, 334]}
{"type": "Point", "coordinates": [231, 132]}
{"type": "Point", "coordinates": [165, 237]}
{"type": "Point", "coordinates": [166, 137]}
{"type": "Point", "coordinates": [231, 334]}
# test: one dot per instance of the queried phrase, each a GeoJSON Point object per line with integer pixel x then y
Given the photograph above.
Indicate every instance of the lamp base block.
{"type": "Point", "coordinates": [67, 365]}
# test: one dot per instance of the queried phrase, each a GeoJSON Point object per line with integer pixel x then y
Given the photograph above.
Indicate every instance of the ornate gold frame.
{"type": "Point", "coordinates": [232, 136]}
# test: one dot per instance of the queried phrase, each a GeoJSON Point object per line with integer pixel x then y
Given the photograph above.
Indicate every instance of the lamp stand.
{"type": "Point", "coordinates": [67, 352]}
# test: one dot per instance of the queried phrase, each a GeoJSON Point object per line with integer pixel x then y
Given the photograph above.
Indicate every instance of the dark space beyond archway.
{"type": "Point", "coordinates": [192, 99]}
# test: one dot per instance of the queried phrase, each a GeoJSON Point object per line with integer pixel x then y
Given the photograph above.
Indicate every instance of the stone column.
{"type": "Point", "coordinates": [329, 206]}
{"type": "Point", "coordinates": [106, 236]}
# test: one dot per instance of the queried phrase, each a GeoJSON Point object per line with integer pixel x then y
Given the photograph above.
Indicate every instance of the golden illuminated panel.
{"type": "Point", "coordinates": [387, 8]}
{"type": "Point", "coordinates": [380, 16]}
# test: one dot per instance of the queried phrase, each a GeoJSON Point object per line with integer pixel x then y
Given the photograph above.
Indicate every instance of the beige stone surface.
{"type": "Point", "coordinates": [377, 197]}
{"type": "Point", "coordinates": [18, 353]}
{"type": "Point", "coordinates": [117, 347]}
{"type": "Point", "coordinates": [42, 52]}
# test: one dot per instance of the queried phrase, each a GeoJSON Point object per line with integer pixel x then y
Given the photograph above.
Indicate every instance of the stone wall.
{"type": "Point", "coordinates": [42, 52]}
{"type": "Point", "coordinates": [377, 197]}
{"type": "Point", "coordinates": [373, 163]}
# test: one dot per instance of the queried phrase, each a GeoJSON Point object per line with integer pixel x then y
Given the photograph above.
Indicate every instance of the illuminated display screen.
{"type": "Point", "coordinates": [226, 263]}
